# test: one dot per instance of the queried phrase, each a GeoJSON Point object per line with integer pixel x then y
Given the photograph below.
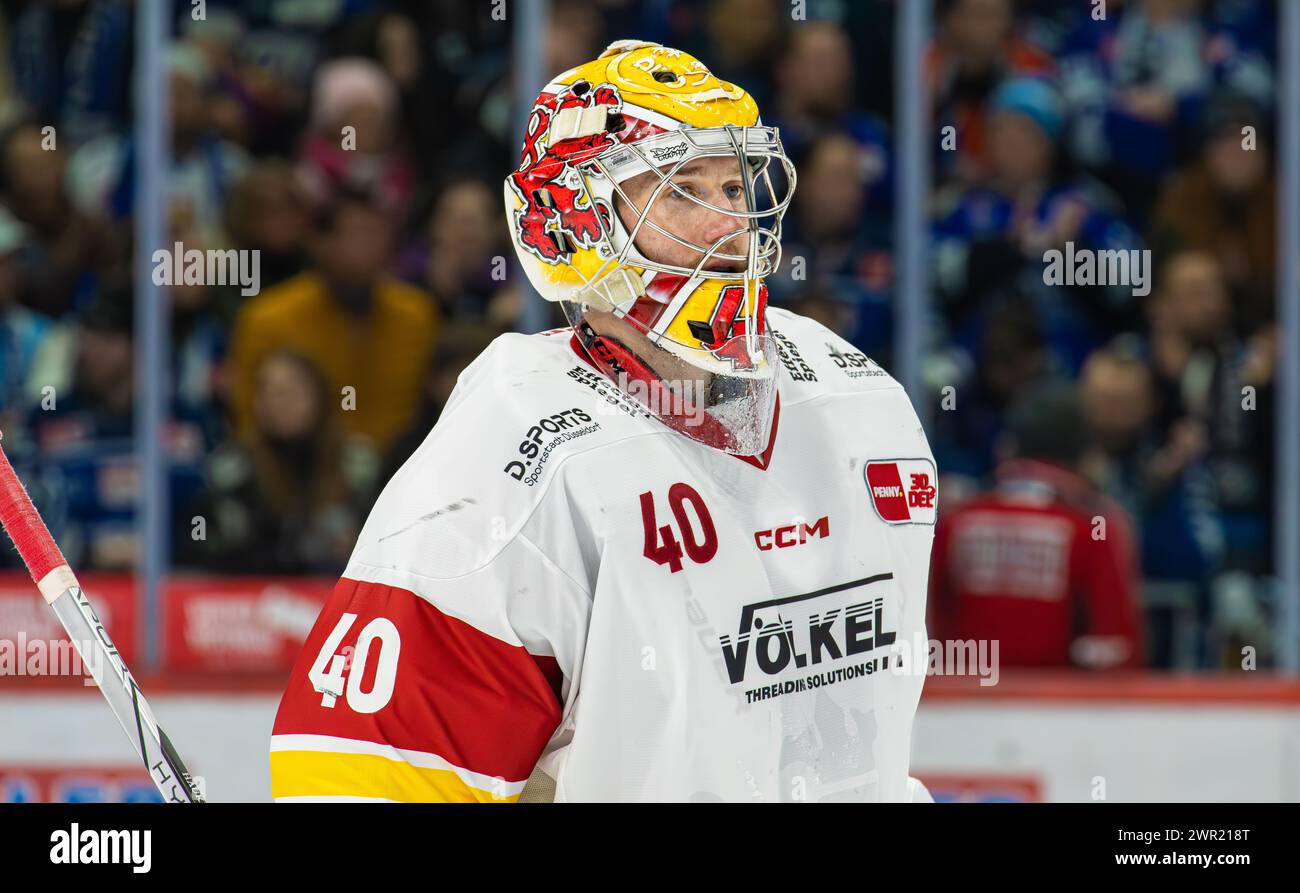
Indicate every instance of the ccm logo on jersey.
{"type": "Point", "coordinates": [792, 534]}
{"type": "Point", "coordinates": [904, 491]}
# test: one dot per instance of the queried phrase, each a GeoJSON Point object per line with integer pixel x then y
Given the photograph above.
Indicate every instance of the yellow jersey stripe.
{"type": "Point", "coordinates": [303, 773]}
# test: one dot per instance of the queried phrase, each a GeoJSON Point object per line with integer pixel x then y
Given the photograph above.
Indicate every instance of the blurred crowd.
{"type": "Point", "coordinates": [1149, 130]}
{"type": "Point", "coordinates": [360, 146]}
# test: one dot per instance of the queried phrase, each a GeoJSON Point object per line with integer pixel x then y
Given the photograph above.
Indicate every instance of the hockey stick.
{"type": "Point", "coordinates": [60, 588]}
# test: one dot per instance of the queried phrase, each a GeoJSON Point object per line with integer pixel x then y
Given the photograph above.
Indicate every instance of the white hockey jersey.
{"type": "Point", "coordinates": [557, 581]}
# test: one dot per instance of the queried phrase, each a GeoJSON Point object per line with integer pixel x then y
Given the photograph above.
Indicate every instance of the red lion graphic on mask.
{"type": "Point", "coordinates": [553, 210]}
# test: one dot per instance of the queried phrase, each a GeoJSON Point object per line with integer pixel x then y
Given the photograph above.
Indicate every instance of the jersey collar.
{"type": "Point", "coordinates": [760, 461]}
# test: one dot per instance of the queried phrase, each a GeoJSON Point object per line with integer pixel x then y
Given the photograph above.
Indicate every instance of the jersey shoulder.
{"type": "Point", "coordinates": [816, 361]}
{"type": "Point", "coordinates": [535, 379]}
{"type": "Point", "coordinates": [522, 407]}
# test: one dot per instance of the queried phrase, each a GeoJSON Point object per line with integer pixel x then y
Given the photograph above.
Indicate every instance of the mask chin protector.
{"type": "Point", "coordinates": [723, 397]}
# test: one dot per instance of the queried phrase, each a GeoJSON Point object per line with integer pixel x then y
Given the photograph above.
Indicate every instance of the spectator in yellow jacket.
{"type": "Point", "coordinates": [370, 335]}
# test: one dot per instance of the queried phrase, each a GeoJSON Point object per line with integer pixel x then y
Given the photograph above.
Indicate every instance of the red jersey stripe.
{"type": "Point", "coordinates": [472, 699]}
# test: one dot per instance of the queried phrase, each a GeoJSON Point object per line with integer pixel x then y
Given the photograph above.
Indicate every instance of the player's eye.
{"type": "Point", "coordinates": [735, 192]}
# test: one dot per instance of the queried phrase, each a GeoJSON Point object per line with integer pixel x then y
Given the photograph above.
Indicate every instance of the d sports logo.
{"type": "Point", "coordinates": [853, 363]}
{"type": "Point", "coordinates": [903, 491]}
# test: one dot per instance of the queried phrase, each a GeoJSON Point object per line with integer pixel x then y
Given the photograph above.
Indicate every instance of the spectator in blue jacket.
{"type": "Point", "coordinates": [995, 236]}
{"type": "Point", "coordinates": [1136, 81]}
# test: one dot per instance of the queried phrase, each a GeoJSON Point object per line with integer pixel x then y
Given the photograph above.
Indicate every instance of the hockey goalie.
{"type": "Point", "coordinates": [672, 552]}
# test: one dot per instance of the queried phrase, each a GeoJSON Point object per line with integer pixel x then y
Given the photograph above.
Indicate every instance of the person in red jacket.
{"type": "Point", "coordinates": [1043, 563]}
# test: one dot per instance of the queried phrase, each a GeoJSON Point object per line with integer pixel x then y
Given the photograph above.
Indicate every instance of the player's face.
{"type": "Point", "coordinates": [715, 180]}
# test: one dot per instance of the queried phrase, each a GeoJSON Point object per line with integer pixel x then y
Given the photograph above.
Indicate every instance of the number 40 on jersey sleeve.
{"type": "Point", "coordinates": [337, 674]}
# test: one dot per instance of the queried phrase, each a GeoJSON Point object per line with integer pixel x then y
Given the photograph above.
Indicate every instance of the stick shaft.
{"type": "Point", "coordinates": [46, 564]}
{"type": "Point", "coordinates": [124, 697]}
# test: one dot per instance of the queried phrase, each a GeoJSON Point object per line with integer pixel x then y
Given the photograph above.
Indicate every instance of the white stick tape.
{"type": "Point", "coordinates": [57, 582]}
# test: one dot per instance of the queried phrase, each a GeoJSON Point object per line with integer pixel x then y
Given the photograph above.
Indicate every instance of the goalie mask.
{"type": "Point", "coordinates": [648, 202]}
